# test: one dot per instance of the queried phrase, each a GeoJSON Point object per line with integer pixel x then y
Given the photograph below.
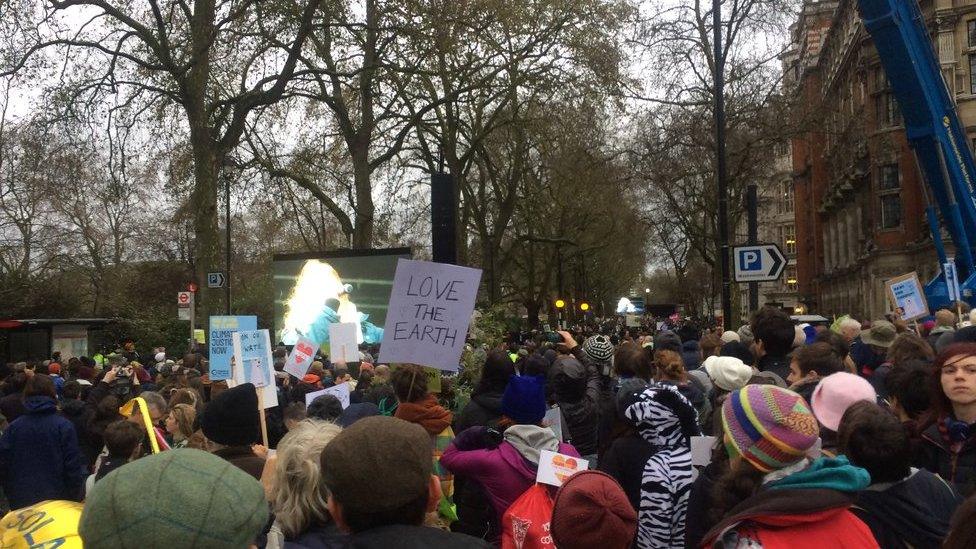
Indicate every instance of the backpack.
{"type": "Point", "coordinates": [525, 525]}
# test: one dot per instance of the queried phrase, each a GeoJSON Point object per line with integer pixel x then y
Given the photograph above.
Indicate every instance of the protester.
{"type": "Point", "coordinates": [591, 510]}
{"type": "Point", "coordinates": [356, 412]}
{"type": "Point", "coordinates": [809, 364]}
{"type": "Point", "coordinates": [670, 370]}
{"type": "Point", "coordinates": [832, 397]}
{"type": "Point", "coordinates": [773, 494]}
{"type": "Point", "coordinates": [123, 440]}
{"type": "Point", "coordinates": [653, 462]}
{"type": "Point", "coordinates": [299, 499]}
{"type": "Point", "coordinates": [485, 406]}
{"type": "Point", "coordinates": [178, 498]}
{"type": "Point", "coordinates": [903, 506]}
{"type": "Point", "coordinates": [12, 403]}
{"type": "Point", "coordinates": [39, 454]}
{"type": "Point", "coordinates": [505, 463]}
{"type": "Point", "coordinates": [576, 390]}
{"type": "Point", "coordinates": [869, 351]}
{"type": "Point", "coordinates": [231, 422]}
{"type": "Point", "coordinates": [325, 408]}
{"type": "Point", "coordinates": [774, 334]}
{"type": "Point", "coordinates": [381, 484]}
{"type": "Point", "coordinates": [962, 529]}
{"type": "Point", "coordinates": [949, 444]}
{"type": "Point", "coordinates": [179, 424]}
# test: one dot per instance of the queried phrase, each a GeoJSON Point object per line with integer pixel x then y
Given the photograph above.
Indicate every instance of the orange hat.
{"type": "Point", "coordinates": [54, 368]}
{"type": "Point", "coordinates": [311, 378]}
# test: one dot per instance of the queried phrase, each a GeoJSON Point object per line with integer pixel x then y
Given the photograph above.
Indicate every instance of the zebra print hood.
{"type": "Point", "coordinates": [662, 415]}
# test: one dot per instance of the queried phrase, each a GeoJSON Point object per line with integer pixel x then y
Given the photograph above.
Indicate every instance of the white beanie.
{"type": "Point", "coordinates": [160, 357]}
{"type": "Point", "coordinates": [728, 372]}
{"type": "Point", "coordinates": [729, 337]}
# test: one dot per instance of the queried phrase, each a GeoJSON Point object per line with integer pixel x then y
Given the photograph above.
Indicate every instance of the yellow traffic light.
{"type": "Point", "coordinates": [560, 304]}
{"type": "Point", "coordinates": [584, 306]}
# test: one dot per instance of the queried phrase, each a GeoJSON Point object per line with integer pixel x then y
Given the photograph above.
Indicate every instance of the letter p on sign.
{"type": "Point", "coordinates": [750, 260]}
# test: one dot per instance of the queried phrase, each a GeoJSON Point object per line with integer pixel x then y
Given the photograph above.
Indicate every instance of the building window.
{"type": "Point", "coordinates": [888, 113]}
{"type": "Point", "coordinates": [789, 280]}
{"type": "Point", "coordinates": [786, 198]}
{"type": "Point", "coordinates": [889, 187]}
{"type": "Point", "coordinates": [972, 73]}
{"type": "Point", "coordinates": [787, 235]}
{"type": "Point", "coordinates": [971, 32]}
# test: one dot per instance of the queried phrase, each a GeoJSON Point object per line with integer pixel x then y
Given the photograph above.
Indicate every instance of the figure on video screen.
{"type": "Point", "coordinates": [320, 298]}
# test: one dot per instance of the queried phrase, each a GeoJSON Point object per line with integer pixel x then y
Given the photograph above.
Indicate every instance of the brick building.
{"type": "Point", "coordinates": [860, 207]}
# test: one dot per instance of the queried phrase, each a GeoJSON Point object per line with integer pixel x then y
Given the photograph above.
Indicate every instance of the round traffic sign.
{"type": "Point", "coordinates": [184, 297]}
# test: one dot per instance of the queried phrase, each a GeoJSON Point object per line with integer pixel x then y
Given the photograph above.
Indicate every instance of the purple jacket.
{"type": "Point", "coordinates": [502, 471]}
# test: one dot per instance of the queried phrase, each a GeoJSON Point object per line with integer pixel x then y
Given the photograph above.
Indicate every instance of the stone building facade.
{"type": "Point", "coordinates": [860, 203]}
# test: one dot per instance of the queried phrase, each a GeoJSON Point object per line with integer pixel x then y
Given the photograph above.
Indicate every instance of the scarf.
{"type": "Point", "coordinates": [427, 413]}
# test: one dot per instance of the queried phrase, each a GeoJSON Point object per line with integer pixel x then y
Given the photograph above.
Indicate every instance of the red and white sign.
{"type": "Point", "coordinates": [184, 299]}
{"type": "Point", "coordinates": [555, 468]}
{"type": "Point", "coordinates": [301, 357]}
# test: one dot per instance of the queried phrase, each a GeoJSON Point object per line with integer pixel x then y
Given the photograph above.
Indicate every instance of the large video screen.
{"type": "Point", "coordinates": [318, 289]}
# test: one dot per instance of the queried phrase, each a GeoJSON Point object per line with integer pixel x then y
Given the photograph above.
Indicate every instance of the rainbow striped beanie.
{"type": "Point", "coordinates": [768, 426]}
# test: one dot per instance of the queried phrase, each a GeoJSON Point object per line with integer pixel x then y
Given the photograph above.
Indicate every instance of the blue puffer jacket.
{"type": "Point", "coordinates": [39, 456]}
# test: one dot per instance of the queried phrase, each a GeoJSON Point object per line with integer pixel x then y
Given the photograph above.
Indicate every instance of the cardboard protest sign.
{"type": "Point", "coordinates": [340, 391]}
{"type": "Point", "coordinates": [221, 344]}
{"type": "Point", "coordinates": [430, 309]}
{"type": "Point", "coordinates": [342, 342]}
{"type": "Point", "coordinates": [952, 280]}
{"type": "Point", "coordinates": [301, 357]}
{"type": "Point", "coordinates": [633, 321]}
{"type": "Point", "coordinates": [253, 364]}
{"type": "Point", "coordinates": [555, 468]}
{"type": "Point", "coordinates": [701, 450]}
{"type": "Point", "coordinates": [554, 420]}
{"type": "Point", "coordinates": [907, 297]}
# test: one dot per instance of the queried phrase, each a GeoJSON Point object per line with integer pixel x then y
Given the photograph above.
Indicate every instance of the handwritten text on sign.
{"type": "Point", "coordinates": [430, 308]}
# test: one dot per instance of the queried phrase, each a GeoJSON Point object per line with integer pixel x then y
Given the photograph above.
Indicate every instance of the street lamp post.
{"type": "Point", "coordinates": [720, 167]}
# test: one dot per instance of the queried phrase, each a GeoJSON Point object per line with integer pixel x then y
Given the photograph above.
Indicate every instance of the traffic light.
{"type": "Point", "coordinates": [584, 306]}
{"type": "Point", "coordinates": [191, 287]}
{"type": "Point", "coordinates": [560, 304]}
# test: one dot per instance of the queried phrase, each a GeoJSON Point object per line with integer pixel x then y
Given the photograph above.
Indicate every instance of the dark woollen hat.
{"type": "Point", "coordinates": [232, 417]}
{"type": "Point", "coordinates": [378, 464]}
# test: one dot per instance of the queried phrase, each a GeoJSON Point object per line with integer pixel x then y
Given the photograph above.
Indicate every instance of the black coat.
{"type": "Point", "coordinates": [476, 516]}
{"type": "Point", "coordinates": [79, 415]}
{"type": "Point", "coordinates": [581, 414]}
{"type": "Point", "coordinates": [959, 469]}
{"type": "Point", "coordinates": [12, 406]}
{"type": "Point", "coordinates": [625, 461]}
{"type": "Point", "coordinates": [915, 511]}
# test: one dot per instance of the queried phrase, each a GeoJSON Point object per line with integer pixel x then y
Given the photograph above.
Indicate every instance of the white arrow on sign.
{"type": "Point", "coordinates": [215, 280]}
{"type": "Point", "coordinates": [758, 263]}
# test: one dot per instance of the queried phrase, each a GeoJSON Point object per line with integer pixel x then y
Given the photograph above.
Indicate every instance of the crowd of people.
{"type": "Point", "coordinates": [857, 435]}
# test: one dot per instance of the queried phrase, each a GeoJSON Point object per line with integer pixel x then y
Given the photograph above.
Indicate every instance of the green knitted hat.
{"type": "Point", "coordinates": [177, 498]}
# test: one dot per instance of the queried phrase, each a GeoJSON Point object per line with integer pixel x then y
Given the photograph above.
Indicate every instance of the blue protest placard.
{"type": "Point", "coordinates": [222, 344]}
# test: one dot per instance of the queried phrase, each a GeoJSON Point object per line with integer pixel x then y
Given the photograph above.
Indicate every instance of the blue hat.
{"type": "Point", "coordinates": [524, 400]}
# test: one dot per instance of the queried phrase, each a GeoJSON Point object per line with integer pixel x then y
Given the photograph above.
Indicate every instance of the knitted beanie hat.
{"type": "Point", "coordinates": [729, 336]}
{"type": "Point", "coordinates": [728, 372]}
{"type": "Point", "coordinates": [232, 417]}
{"type": "Point", "coordinates": [592, 510]}
{"type": "Point", "coordinates": [598, 348]}
{"type": "Point", "coordinates": [769, 427]}
{"type": "Point", "coordinates": [183, 498]}
{"type": "Point", "coordinates": [524, 399]}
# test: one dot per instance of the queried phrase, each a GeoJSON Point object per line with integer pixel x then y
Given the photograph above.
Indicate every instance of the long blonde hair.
{"type": "Point", "coordinates": [297, 493]}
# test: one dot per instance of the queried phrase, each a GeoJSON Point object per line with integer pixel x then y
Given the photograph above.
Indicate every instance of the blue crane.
{"type": "Point", "coordinates": [934, 133]}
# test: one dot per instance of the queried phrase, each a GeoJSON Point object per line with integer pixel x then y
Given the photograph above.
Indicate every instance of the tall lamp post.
{"type": "Point", "coordinates": [720, 168]}
{"type": "Point", "coordinates": [231, 169]}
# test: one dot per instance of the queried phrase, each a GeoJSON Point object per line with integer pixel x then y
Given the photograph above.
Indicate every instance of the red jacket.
{"type": "Point", "coordinates": [795, 519]}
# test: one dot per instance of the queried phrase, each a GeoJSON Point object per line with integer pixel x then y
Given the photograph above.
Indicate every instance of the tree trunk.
{"type": "Point", "coordinates": [206, 256]}
{"type": "Point", "coordinates": [362, 236]}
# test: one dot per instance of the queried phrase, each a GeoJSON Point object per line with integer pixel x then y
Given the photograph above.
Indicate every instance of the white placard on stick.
{"type": "Point", "coordinates": [252, 363]}
{"type": "Point", "coordinates": [342, 342]}
{"type": "Point", "coordinates": [340, 391]}
{"type": "Point", "coordinates": [555, 468]}
{"type": "Point", "coordinates": [300, 359]}
{"type": "Point", "coordinates": [554, 420]}
{"type": "Point", "coordinates": [430, 309]}
{"type": "Point", "coordinates": [701, 450]}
